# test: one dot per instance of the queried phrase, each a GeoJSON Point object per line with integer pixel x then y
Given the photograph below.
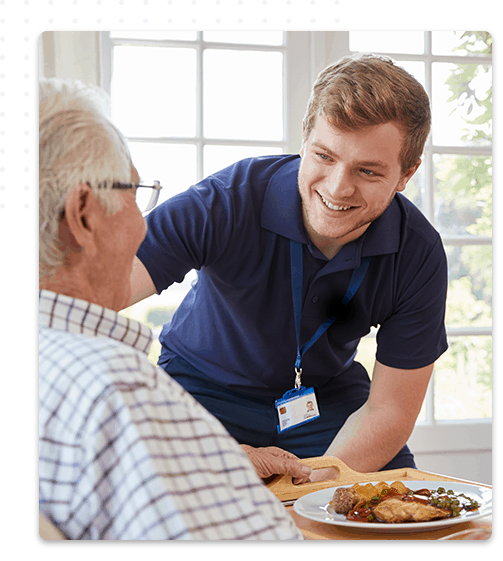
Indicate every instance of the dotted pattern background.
{"type": "Point", "coordinates": [21, 23]}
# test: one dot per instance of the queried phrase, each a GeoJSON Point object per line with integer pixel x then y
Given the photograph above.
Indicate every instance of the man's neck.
{"type": "Point", "coordinates": [330, 247]}
{"type": "Point", "coordinates": [72, 282]}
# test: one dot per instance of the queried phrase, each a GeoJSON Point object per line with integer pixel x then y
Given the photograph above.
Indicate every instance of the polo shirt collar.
{"type": "Point", "coordinates": [282, 214]}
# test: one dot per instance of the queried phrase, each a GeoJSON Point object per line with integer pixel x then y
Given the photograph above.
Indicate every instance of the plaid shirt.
{"type": "Point", "coordinates": [125, 452]}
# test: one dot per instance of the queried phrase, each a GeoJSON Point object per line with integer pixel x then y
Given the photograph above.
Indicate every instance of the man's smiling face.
{"type": "Point", "coordinates": [347, 180]}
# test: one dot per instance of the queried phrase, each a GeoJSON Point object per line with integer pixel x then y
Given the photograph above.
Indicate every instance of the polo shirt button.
{"type": "Point", "coordinates": [315, 299]}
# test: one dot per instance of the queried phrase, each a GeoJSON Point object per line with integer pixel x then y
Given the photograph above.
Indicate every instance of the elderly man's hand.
{"type": "Point", "coordinates": [274, 461]}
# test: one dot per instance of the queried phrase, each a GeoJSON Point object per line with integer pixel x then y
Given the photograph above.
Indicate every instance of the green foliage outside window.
{"type": "Point", "coordinates": [463, 201]}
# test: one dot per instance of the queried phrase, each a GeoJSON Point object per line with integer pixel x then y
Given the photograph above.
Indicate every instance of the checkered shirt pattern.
{"type": "Point", "coordinates": [125, 452]}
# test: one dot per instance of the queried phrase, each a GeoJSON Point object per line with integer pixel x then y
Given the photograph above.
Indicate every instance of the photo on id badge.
{"type": "Point", "coordinates": [297, 409]}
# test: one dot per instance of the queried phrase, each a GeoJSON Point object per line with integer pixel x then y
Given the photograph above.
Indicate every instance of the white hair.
{"type": "Point", "coordinates": [77, 144]}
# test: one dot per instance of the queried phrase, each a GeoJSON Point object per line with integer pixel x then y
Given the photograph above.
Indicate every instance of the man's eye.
{"type": "Point", "coordinates": [368, 172]}
{"type": "Point", "coordinates": [323, 156]}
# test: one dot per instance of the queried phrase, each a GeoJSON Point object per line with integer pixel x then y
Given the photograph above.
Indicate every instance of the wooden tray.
{"type": "Point", "coordinates": [285, 490]}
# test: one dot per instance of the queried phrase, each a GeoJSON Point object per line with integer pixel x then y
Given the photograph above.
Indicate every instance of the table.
{"type": "Point", "coordinates": [318, 531]}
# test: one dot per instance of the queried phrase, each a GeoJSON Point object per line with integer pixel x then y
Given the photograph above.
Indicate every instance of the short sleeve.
{"type": "Point", "coordinates": [187, 232]}
{"type": "Point", "coordinates": [414, 335]}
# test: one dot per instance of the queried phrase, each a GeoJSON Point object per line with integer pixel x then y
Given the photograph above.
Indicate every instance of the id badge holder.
{"type": "Point", "coordinates": [296, 407]}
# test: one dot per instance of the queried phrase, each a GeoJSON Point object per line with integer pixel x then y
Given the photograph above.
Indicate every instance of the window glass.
{"type": "Point", "coordinates": [407, 42]}
{"type": "Point", "coordinates": [469, 296]}
{"type": "Point", "coordinates": [366, 353]}
{"type": "Point", "coordinates": [174, 165]}
{"type": "Point", "coordinates": [243, 94]}
{"type": "Point", "coordinates": [463, 194]}
{"type": "Point", "coordinates": [157, 310]}
{"type": "Point", "coordinates": [422, 417]}
{"type": "Point", "coordinates": [460, 43]}
{"type": "Point", "coordinates": [414, 67]}
{"type": "Point", "coordinates": [415, 190]}
{"type": "Point", "coordinates": [461, 104]}
{"type": "Point", "coordinates": [246, 37]}
{"type": "Point", "coordinates": [155, 35]}
{"type": "Point", "coordinates": [154, 91]}
{"type": "Point", "coordinates": [219, 157]}
{"type": "Point", "coordinates": [463, 380]}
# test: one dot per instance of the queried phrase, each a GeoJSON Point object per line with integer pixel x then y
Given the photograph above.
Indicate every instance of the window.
{"type": "Point", "coordinates": [192, 103]}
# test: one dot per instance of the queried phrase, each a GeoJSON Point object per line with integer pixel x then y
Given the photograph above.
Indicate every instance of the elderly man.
{"type": "Point", "coordinates": [125, 452]}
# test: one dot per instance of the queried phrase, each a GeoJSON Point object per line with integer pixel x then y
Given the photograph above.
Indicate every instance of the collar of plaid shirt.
{"type": "Point", "coordinates": [65, 313]}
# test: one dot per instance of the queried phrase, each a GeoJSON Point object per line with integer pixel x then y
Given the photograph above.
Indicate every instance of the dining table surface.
{"type": "Point", "coordinates": [288, 493]}
{"type": "Point", "coordinates": [313, 530]}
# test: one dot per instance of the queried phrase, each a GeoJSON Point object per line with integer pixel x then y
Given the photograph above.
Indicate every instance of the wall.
{"type": "Point", "coordinates": [70, 54]}
{"type": "Point", "coordinates": [460, 449]}
{"type": "Point", "coordinates": [472, 466]}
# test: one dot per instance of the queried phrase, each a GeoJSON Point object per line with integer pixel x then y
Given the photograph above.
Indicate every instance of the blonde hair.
{"type": "Point", "coordinates": [364, 90]}
{"type": "Point", "coordinates": [77, 144]}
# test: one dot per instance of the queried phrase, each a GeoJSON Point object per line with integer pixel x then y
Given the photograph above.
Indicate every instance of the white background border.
{"type": "Point", "coordinates": [21, 23]}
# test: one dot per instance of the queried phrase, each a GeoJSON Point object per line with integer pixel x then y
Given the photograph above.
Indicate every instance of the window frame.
{"type": "Point", "coordinates": [199, 45]}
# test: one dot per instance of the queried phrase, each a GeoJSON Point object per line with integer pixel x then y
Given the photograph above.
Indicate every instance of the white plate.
{"type": "Point", "coordinates": [316, 506]}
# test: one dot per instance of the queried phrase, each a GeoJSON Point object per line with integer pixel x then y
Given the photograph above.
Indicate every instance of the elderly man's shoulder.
{"type": "Point", "coordinates": [96, 364]}
{"type": "Point", "coordinates": [84, 374]}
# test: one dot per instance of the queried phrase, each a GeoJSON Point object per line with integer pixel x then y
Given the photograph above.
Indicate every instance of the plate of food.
{"type": "Point", "coordinates": [385, 506]}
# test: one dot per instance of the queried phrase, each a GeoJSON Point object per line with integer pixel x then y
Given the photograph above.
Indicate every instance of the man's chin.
{"type": "Point", "coordinates": [342, 235]}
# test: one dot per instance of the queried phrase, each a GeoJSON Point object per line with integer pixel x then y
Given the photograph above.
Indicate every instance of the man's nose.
{"type": "Point", "coordinates": [341, 182]}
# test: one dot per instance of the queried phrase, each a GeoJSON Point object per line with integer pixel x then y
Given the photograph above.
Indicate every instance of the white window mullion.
{"type": "Point", "coordinates": [200, 106]}
{"type": "Point", "coordinates": [429, 168]}
{"type": "Point", "coordinates": [286, 122]}
{"type": "Point", "coordinates": [297, 76]}
{"type": "Point", "coordinates": [106, 60]}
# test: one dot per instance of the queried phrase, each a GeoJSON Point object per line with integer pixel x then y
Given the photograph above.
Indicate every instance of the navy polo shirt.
{"type": "Point", "coordinates": [236, 324]}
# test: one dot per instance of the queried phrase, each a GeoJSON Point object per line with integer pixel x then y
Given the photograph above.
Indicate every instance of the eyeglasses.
{"type": "Point", "coordinates": [145, 200]}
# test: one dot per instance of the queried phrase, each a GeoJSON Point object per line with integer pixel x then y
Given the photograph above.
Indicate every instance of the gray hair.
{"type": "Point", "coordinates": [77, 144]}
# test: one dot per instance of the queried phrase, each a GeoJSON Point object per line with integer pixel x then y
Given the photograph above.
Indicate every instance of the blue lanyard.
{"type": "Point", "coordinates": [296, 270]}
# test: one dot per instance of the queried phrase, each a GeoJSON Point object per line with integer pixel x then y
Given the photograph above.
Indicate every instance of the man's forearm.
{"type": "Point", "coordinates": [373, 435]}
{"type": "Point", "coordinates": [370, 439]}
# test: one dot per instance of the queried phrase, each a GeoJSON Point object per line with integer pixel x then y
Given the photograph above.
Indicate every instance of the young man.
{"type": "Point", "coordinates": [125, 452]}
{"type": "Point", "coordinates": [298, 258]}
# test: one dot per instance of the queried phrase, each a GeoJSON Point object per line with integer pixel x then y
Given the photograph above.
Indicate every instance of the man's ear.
{"type": "Point", "coordinates": [408, 175]}
{"type": "Point", "coordinates": [135, 178]}
{"type": "Point", "coordinates": [82, 214]}
{"type": "Point", "coordinates": [303, 145]}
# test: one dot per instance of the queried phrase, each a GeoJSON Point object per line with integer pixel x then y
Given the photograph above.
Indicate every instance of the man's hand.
{"type": "Point", "coordinates": [274, 461]}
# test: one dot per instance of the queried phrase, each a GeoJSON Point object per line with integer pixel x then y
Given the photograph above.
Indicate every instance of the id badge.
{"type": "Point", "coordinates": [296, 407]}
